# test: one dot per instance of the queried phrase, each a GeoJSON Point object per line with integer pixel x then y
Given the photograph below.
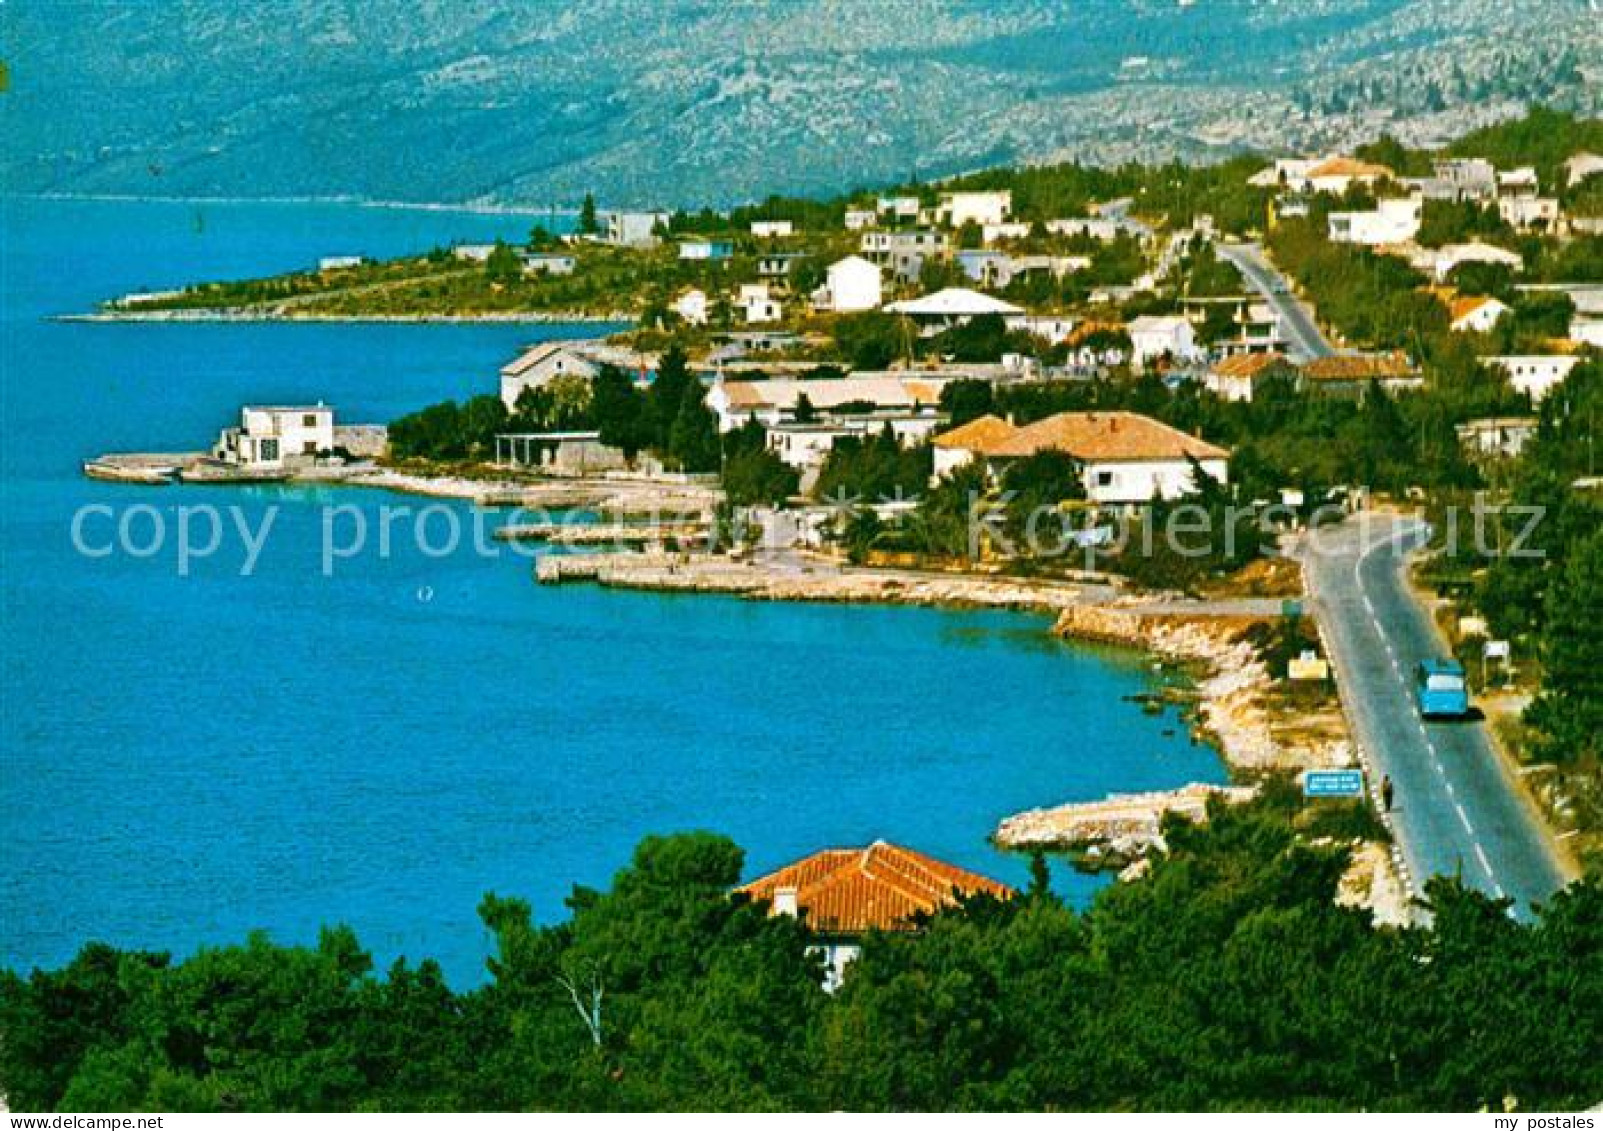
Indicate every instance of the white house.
{"type": "Point", "coordinates": [271, 436]}
{"type": "Point", "coordinates": [1535, 375]}
{"type": "Point", "coordinates": [473, 252]}
{"type": "Point", "coordinates": [805, 446]}
{"type": "Point", "coordinates": [757, 305]}
{"type": "Point", "coordinates": [632, 229]}
{"type": "Point", "coordinates": [899, 207]}
{"type": "Point", "coordinates": [541, 364]}
{"type": "Point", "coordinates": [1526, 212]}
{"type": "Point", "coordinates": [982, 208]}
{"type": "Point", "coordinates": [850, 284]}
{"type": "Point", "coordinates": [1461, 178]}
{"type": "Point", "coordinates": [706, 249]}
{"type": "Point", "coordinates": [1474, 314]}
{"type": "Point", "coordinates": [339, 262]}
{"type": "Point", "coordinates": [1338, 174]}
{"type": "Point", "coordinates": [692, 307]}
{"type": "Point", "coordinates": [547, 263]}
{"type": "Point", "coordinates": [772, 229]}
{"type": "Point", "coordinates": [1442, 261]}
{"type": "Point", "coordinates": [1052, 328]}
{"type": "Point", "coordinates": [1156, 336]}
{"type": "Point", "coordinates": [774, 401]}
{"type": "Point", "coordinates": [1010, 230]}
{"type": "Point", "coordinates": [859, 218]}
{"type": "Point", "coordinates": [1124, 458]}
{"type": "Point", "coordinates": [1582, 166]}
{"type": "Point", "coordinates": [1587, 330]}
{"type": "Point", "coordinates": [1240, 376]}
{"type": "Point", "coordinates": [1391, 221]}
{"type": "Point", "coordinates": [1286, 172]}
{"type": "Point", "coordinates": [1332, 174]}
{"type": "Point", "coordinates": [1497, 435]}
{"type": "Point", "coordinates": [950, 307]}
{"type": "Point", "coordinates": [1100, 228]}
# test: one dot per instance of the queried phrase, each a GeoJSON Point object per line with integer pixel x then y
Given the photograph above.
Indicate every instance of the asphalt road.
{"type": "Point", "coordinates": [1296, 321]}
{"type": "Point", "coordinates": [1456, 810]}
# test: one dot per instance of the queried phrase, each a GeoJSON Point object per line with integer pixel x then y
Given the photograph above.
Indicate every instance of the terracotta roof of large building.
{"type": "Point", "coordinates": [979, 434]}
{"type": "Point", "coordinates": [1348, 167]}
{"type": "Point", "coordinates": [883, 390]}
{"type": "Point", "coordinates": [534, 355]}
{"type": "Point", "coordinates": [1249, 364]}
{"type": "Point", "coordinates": [1100, 437]}
{"type": "Point", "coordinates": [1358, 367]}
{"type": "Point", "coordinates": [882, 887]}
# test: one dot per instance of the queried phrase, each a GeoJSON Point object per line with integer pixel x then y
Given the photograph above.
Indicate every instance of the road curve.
{"type": "Point", "coordinates": [1457, 810]}
{"type": "Point", "coordinates": [1296, 320]}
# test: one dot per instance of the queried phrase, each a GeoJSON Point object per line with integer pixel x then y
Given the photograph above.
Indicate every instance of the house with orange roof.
{"type": "Point", "coordinates": [842, 894]}
{"type": "Point", "coordinates": [1474, 314]}
{"type": "Point", "coordinates": [1124, 458]}
{"type": "Point", "coordinates": [1351, 374]}
{"type": "Point", "coordinates": [1338, 174]}
{"type": "Point", "coordinates": [1240, 376]}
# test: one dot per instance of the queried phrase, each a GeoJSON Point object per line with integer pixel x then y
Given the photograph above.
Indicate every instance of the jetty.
{"type": "Point", "coordinates": [145, 469]}
{"type": "Point", "coordinates": [603, 533]}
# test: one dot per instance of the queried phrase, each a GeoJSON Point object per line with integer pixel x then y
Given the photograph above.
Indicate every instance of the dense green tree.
{"type": "Point", "coordinates": [870, 339]}
{"type": "Point", "coordinates": [1569, 711]}
{"type": "Point", "coordinates": [693, 442]}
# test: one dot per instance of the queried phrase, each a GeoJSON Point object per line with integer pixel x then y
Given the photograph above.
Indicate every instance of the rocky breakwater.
{"type": "Point", "coordinates": [1115, 832]}
{"type": "Point", "coordinates": [797, 579]}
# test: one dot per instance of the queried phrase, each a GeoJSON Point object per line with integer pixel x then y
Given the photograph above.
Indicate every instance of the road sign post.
{"type": "Point", "coordinates": [1333, 783]}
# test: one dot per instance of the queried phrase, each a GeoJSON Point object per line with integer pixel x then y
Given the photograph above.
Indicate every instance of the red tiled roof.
{"type": "Point", "coordinates": [1348, 167]}
{"type": "Point", "coordinates": [1358, 367]}
{"type": "Point", "coordinates": [980, 434]}
{"type": "Point", "coordinates": [1249, 364]}
{"type": "Point", "coordinates": [882, 887]}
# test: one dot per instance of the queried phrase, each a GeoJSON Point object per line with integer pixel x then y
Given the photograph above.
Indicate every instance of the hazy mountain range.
{"type": "Point", "coordinates": [692, 101]}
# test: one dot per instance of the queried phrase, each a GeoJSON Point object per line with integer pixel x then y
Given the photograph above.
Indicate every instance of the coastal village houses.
{"type": "Point", "coordinates": [1125, 458]}
{"type": "Point", "coordinates": [844, 893]}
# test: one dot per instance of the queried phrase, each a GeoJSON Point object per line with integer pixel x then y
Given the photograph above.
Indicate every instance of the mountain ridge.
{"type": "Point", "coordinates": [685, 102]}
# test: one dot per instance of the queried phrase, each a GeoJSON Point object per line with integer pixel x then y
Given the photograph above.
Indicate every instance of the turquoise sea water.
{"type": "Point", "coordinates": [188, 758]}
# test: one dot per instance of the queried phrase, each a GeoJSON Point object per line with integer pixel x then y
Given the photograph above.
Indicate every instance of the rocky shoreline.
{"type": "Point", "coordinates": [227, 314]}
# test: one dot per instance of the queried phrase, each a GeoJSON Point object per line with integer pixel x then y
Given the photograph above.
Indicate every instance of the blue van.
{"type": "Point", "coordinates": [1441, 690]}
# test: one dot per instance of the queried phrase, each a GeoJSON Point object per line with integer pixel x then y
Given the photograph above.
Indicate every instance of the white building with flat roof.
{"type": "Point", "coordinates": [1391, 221]}
{"type": "Point", "coordinates": [1157, 336]}
{"type": "Point", "coordinates": [632, 229]}
{"type": "Point", "coordinates": [772, 229]}
{"type": "Point", "coordinates": [271, 436]}
{"type": "Point", "coordinates": [982, 208]}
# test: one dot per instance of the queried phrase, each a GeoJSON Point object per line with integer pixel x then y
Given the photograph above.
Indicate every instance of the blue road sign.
{"type": "Point", "coordinates": [1333, 783]}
